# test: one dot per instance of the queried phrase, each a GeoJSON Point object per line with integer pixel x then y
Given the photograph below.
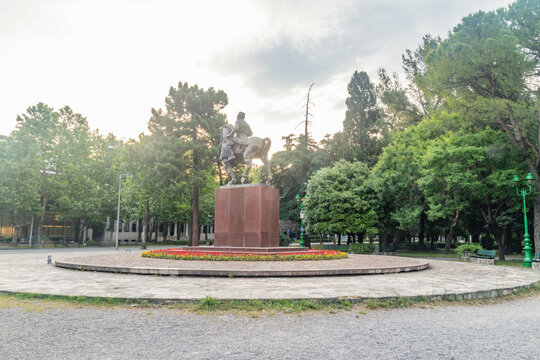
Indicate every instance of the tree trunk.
{"type": "Point", "coordinates": [139, 230]}
{"type": "Point", "coordinates": [386, 240]}
{"type": "Point", "coordinates": [507, 239]}
{"type": "Point", "coordinates": [398, 236]}
{"type": "Point", "coordinates": [451, 233]}
{"type": "Point", "coordinates": [178, 225]}
{"type": "Point", "coordinates": [165, 231]}
{"type": "Point", "coordinates": [421, 231]}
{"type": "Point", "coordinates": [157, 232]}
{"type": "Point", "coordinates": [498, 233]}
{"type": "Point", "coordinates": [339, 239]}
{"type": "Point", "coordinates": [15, 237]}
{"type": "Point", "coordinates": [307, 241]}
{"type": "Point", "coordinates": [64, 234]}
{"type": "Point", "coordinates": [145, 225]}
{"type": "Point", "coordinates": [84, 232]}
{"type": "Point", "coordinates": [42, 220]}
{"type": "Point", "coordinates": [360, 238]}
{"type": "Point", "coordinates": [77, 230]}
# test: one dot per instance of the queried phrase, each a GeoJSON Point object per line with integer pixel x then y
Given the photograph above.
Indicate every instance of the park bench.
{"type": "Point", "coordinates": [484, 254]}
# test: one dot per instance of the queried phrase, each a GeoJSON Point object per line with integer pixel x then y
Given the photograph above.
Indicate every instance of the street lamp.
{"type": "Point", "coordinates": [118, 213]}
{"type": "Point", "coordinates": [301, 207]}
{"type": "Point", "coordinates": [527, 249]}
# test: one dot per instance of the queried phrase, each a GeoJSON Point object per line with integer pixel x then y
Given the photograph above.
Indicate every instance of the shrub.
{"type": "Point", "coordinates": [176, 242]}
{"type": "Point", "coordinates": [284, 239]}
{"type": "Point", "coordinates": [361, 248]}
{"type": "Point", "coordinates": [55, 237]}
{"type": "Point", "coordinates": [469, 247]}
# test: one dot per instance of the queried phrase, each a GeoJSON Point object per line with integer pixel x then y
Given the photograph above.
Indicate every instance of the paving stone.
{"type": "Point", "coordinates": [29, 272]}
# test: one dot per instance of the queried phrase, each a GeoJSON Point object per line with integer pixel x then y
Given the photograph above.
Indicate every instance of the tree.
{"type": "Point", "coordinates": [482, 73]}
{"type": "Point", "coordinates": [399, 111]}
{"type": "Point", "coordinates": [192, 117]}
{"type": "Point", "coordinates": [523, 17]}
{"type": "Point", "coordinates": [336, 201]}
{"type": "Point", "coordinates": [463, 172]}
{"type": "Point", "coordinates": [394, 178]}
{"type": "Point", "coordinates": [78, 193]}
{"type": "Point", "coordinates": [363, 126]}
{"type": "Point", "coordinates": [19, 192]}
{"type": "Point", "coordinates": [291, 170]}
{"type": "Point", "coordinates": [39, 129]}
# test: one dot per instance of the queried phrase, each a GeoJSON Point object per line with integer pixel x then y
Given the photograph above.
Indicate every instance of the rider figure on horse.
{"type": "Point", "coordinates": [238, 136]}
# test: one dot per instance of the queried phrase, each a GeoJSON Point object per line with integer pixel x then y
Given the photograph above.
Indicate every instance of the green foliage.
{"type": "Point", "coordinates": [284, 240]}
{"type": "Point", "coordinates": [479, 59]}
{"type": "Point", "coordinates": [462, 170]}
{"type": "Point", "coordinates": [185, 137]}
{"type": "Point", "coordinates": [209, 303]}
{"type": "Point", "coordinates": [394, 178]}
{"type": "Point", "coordinates": [292, 169]}
{"type": "Point", "coordinates": [59, 165]}
{"type": "Point", "coordinates": [338, 200]}
{"type": "Point", "coordinates": [467, 248]}
{"type": "Point", "coordinates": [361, 248]}
{"type": "Point", "coordinates": [363, 127]}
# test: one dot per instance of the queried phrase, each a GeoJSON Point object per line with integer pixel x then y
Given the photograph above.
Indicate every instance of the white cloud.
{"type": "Point", "coordinates": [113, 61]}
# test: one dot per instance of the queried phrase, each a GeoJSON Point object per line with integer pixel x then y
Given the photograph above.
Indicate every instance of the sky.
{"type": "Point", "coordinates": [114, 60]}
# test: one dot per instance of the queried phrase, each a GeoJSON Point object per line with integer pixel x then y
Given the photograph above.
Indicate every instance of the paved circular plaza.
{"type": "Point", "coordinates": [134, 263]}
{"type": "Point", "coordinates": [28, 271]}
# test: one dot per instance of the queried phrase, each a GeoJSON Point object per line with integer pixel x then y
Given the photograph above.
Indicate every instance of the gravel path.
{"type": "Point", "coordinates": [509, 330]}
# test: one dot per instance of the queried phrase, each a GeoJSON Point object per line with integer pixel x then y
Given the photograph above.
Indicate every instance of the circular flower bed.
{"type": "Point", "coordinates": [176, 254]}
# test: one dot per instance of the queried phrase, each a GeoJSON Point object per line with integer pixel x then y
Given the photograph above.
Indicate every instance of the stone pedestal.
{"type": "Point", "coordinates": [247, 216]}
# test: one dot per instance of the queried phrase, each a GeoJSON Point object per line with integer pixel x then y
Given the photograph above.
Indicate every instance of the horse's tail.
{"type": "Point", "coordinates": [266, 146]}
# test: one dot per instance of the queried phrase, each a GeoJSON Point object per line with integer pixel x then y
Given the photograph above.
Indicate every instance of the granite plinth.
{"type": "Point", "coordinates": [246, 216]}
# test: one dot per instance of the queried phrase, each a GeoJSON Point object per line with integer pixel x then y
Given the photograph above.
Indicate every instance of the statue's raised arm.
{"type": "Point", "coordinates": [239, 146]}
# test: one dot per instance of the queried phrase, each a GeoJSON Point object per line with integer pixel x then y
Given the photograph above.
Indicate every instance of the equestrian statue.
{"type": "Point", "coordinates": [238, 146]}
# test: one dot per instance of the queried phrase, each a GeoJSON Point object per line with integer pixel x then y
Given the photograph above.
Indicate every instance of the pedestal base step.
{"type": "Point", "coordinates": [253, 250]}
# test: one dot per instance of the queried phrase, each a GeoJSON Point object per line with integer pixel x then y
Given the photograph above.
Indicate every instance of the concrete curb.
{"type": "Point", "coordinates": [237, 273]}
{"type": "Point", "coordinates": [474, 295]}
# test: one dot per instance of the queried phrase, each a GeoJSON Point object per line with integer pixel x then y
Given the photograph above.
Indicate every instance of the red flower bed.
{"type": "Point", "coordinates": [178, 254]}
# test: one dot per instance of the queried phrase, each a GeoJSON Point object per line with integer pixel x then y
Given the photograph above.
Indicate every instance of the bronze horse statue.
{"type": "Point", "coordinates": [244, 152]}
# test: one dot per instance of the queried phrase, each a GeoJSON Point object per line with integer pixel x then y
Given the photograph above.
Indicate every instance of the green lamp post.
{"type": "Point", "coordinates": [301, 207]}
{"type": "Point", "coordinates": [527, 249]}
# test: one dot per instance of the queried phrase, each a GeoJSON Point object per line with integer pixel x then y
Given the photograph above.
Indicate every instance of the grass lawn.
{"type": "Point", "coordinates": [514, 262]}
